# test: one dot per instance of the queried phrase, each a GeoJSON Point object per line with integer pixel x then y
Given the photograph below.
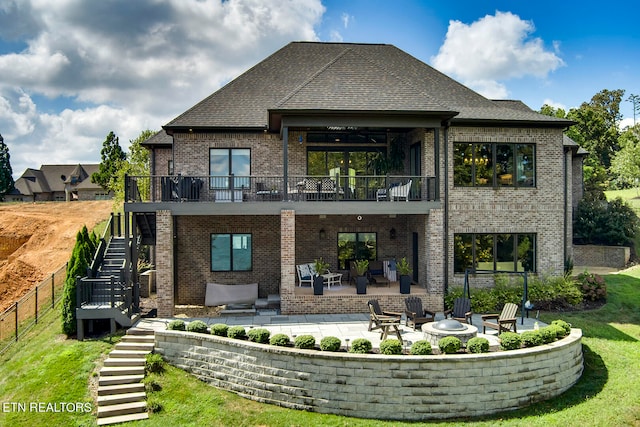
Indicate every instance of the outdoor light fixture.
{"type": "Point", "coordinates": [322, 234]}
{"type": "Point", "coordinates": [359, 217]}
{"type": "Point", "coordinates": [392, 234]}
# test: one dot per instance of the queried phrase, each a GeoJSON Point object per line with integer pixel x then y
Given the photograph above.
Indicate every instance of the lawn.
{"type": "Point", "coordinates": [47, 368]}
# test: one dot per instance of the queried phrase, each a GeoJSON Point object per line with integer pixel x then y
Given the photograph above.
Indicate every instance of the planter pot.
{"type": "Point", "coordinates": [405, 284]}
{"type": "Point", "coordinates": [361, 285]}
{"type": "Point", "coordinates": [318, 285]}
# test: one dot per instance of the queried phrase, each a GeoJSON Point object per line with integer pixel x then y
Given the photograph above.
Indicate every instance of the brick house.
{"type": "Point", "coordinates": [349, 151]}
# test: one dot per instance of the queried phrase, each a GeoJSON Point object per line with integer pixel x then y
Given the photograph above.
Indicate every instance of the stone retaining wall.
{"type": "Point", "coordinates": [377, 386]}
{"type": "Point", "coordinates": [601, 256]}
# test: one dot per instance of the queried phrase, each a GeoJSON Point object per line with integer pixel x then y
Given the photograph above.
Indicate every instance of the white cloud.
{"type": "Point", "coordinates": [129, 66]}
{"type": "Point", "coordinates": [494, 48]}
{"type": "Point", "coordinates": [554, 104]}
{"type": "Point", "coordinates": [346, 18]}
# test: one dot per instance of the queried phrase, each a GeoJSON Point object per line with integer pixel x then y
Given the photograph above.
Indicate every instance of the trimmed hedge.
{"type": "Point", "coordinates": [531, 338]}
{"type": "Point", "coordinates": [478, 345]}
{"type": "Point", "coordinates": [421, 348]}
{"type": "Point", "coordinates": [197, 326]}
{"type": "Point", "coordinates": [259, 335]}
{"type": "Point", "coordinates": [510, 341]}
{"type": "Point", "coordinates": [391, 346]}
{"type": "Point", "coordinates": [330, 344]}
{"type": "Point", "coordinates": [219, 329]}
{"type": "Point", "coordinates": [176, 325]}
{"type": "Point", "coordinates": [237, 332]}
{"type": "Point", "coordinates": [361, 346]}
{"type": "Point", "coordinates": [281, 340]}
{"type": "Point", "coordinates": [307, 342]}
{"type": "Point", "coordinates": [450, 345]}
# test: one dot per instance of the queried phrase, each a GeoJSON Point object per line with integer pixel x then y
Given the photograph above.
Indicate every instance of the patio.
{"type": "Point", "coordinates": [343, 326]}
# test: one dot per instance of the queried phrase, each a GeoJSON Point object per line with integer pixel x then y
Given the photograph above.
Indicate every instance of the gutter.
{"type": "Point", "coordinates": [446, 209]}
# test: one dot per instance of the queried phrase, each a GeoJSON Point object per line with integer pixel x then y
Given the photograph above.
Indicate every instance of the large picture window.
{"type": "Point", "coordinates": [227, 161]}
{"type": "Point", "coordinates": [504, 252]}
{"type": "Point", "coordinates": [231, 252]}
{"type": "Point", "coordinates": [353, 246]}
{"type": "Point", "coordinates": [494, 165]}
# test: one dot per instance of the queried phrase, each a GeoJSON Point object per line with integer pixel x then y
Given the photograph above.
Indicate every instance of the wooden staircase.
{"type": "Point", "coordinates": [121, 393]}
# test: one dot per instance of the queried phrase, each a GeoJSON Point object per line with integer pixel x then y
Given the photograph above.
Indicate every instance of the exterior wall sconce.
{"type": "Point", "coordinates": [322, 234]}
{"type": "Point", "coordinates": [392, 234]}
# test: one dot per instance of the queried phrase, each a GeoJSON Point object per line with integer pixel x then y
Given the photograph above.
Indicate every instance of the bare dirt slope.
{"type": "Point", "coordinates": [37, 238]}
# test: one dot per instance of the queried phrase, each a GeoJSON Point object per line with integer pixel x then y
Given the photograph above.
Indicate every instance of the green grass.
{"type": "Point", "coordinates": [51, 369]}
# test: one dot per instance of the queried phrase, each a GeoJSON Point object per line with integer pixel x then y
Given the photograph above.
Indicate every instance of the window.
{"type": "Point", "coordinates": [494, 252]}
{"type": "Point", "coordinates": [229, 161]}
{"type": "Point", "coordinates": [493, 165]}
{"type": "Point", "coordinates": [231, 252]}
{"type": "Point", "coordinates": [352, 246]}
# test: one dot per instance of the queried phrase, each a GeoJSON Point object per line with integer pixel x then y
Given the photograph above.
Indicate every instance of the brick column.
{"type": "Point", "coordinates": [436, 258]}
{"type": "Point", "coordinates": [287, 258]}
{"type": "Point", "coordinates": [164, 263]}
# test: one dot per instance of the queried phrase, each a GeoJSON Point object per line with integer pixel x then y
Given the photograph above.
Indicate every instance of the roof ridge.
{"type": "Point", "coordinates": [312, 77]}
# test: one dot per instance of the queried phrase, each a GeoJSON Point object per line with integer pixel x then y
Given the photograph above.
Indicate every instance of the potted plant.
{"type": "Point", "coordinates": [318, 280]}
{"type": "Point", "coordinates": [361, 265]}
{"type": "Point", "coordinates": [404, 271]}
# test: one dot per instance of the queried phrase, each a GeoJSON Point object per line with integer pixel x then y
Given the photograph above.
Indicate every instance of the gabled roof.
{"type": "Point", "coordinates": [347, 77]}
{"type": "Point", "coordinates": [52, 178]}
{"type": "Point", "coordinates": [158, 139]}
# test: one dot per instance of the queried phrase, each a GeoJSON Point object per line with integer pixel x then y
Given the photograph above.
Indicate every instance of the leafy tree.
{"type": "Point", "coordinates": [605, 223]}
{"type": "Point", "coordinates": [6, 178]}
{"type": "Point", "coordinates": [635, 100]}
{"type": "Point", "coordinates": [137, 164]}
{"type": "Point", "coordinates": [626, 163]}
{"type": "Point", "coordinates": [112, 161]}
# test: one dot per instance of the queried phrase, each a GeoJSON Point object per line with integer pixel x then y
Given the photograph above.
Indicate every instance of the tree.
{"type": "Point", "coordinates": [112, 161]}
{"type": "Point", "coordinates": [6, 173]}
{"type": "Point", "coordinates": [137, 164]}
{"type": "Point", "coordinates": [626, 163]}
{"type": "Point", "coordinates": [635, 100]}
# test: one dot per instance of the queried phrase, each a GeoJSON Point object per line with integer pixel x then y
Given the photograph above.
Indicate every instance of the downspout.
{"type": "Point", "coordinates": [566, 205]}
{"type": "Point", "coordinates": [285, 161]}
{"type": "Point", "coordinates": [446, 208]}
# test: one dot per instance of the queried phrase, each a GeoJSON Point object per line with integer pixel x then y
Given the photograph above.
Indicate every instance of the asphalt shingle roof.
{"type": "Point", "coordinates": [305, 76]}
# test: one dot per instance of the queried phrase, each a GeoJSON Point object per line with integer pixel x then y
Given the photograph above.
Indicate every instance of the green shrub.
{"type": "Point", "coordinates": [450, 345]}
{"type": "Point", "coordinates": [176, 325]}
{"type": "Point", "coordinates": [360, 345]}
{"type": "Point", "coordinates": [564, 325]}
{"type": "Point", "coordinates": [305, 342]}
{"type": "Point", "coordinates": [478, 345]}
{"type": "Point", "coordinates": [259, 335]}
{"type": "Point", "coordinates": [281, 340]}
{"type": "Point", "coordinates": [531, 338]}
{"type": "Point", "coordinates": [237, 332]}
{"type": "Point", "coordinates": [483, 301]}
{"type": "Point", "coordinates": [197, 326]}
{"type": "Point", "coordinates": [151, 385]}
{"type": "Point", "coordinates": [330, 344]}
{"type": "Point", "coordinates": [153, 405]}
{"type": "Point", "coordinates": [219, 329]}
{"type": "Point", "coordinates": [557, 330]}
{"type": "Point", "coordinates": [510, 341]}
{"type": "Point", "coordinates": [421, 348]}
{"type": "Point", "coordinates": [601, 222]}
{"type": "Point", "coordinates": [548, 334]}
{"type": "Point", "coordinates": [154, 363]}
{"type": "Point", "coordinates": [592, 286]}
{"type": "Point", "coordinates": [391, 346]}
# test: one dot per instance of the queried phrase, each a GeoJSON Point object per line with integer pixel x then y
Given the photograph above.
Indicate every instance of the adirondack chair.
{"type": "Point", "coordinates": [416, 315]}
{"type": "Point", "coordinates": [381, 314]}
{"type": "Point", "coordinates": [503, 322]}
{"type": "Point", "coordinates": [461, 310]}
{"type": "Point", "coordinates": [386, 324]}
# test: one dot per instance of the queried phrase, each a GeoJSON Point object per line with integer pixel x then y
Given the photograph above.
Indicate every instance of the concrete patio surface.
{"type": "Point", "coordinates": [343, 326]}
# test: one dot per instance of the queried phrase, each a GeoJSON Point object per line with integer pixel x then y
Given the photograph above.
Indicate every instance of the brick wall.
{"type": "Point", "coordinates": [164, 263]}
{"type": "Point", "coordinates": [409, 388]}
{"type": "Point", "coordinates": [600, 256]}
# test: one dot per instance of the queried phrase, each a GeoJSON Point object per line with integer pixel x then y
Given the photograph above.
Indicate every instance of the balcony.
{"type": "Point", "coordinates": [316, 194]}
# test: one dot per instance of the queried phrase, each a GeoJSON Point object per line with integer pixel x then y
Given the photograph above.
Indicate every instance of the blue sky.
{"type": "Point", "coordinates": [74, 70]}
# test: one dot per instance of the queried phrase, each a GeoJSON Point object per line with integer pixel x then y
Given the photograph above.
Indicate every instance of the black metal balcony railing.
{"type": "Point", "coordinates": [298, 188]}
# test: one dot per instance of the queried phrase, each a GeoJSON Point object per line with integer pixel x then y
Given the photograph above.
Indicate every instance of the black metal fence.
{"type": "Point", "coordinates": [18, 319]}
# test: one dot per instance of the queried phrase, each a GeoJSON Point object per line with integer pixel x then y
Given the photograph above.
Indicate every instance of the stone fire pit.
{"type": "Point", "coordinates": [434, 331]}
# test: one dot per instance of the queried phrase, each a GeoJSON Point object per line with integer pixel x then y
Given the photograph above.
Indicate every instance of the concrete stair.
{"type": "Point", "coordinates": [121, 394]}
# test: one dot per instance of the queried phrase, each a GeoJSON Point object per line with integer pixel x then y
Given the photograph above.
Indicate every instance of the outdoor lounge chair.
{"type": "Point", "coordinates": [504, 321]}
{"type": "Point", "coordinates": [381, 314]}
{"type": "Point", "coordinates": [376, 274]}
{"type": "Point", "coordinates": [385, 323]}
{"type": "Point", "coordinates": [305, 275]}
{"type": "Point", "coordinates": [399, 192]}
{"type": "Point", "coordinates": [416, 315]}
{"type": "Point", "coordinates": [461, 310]}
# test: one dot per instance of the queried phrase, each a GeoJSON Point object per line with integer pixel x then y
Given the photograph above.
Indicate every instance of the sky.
{"type": "Point", "coordinates": [71, 71]}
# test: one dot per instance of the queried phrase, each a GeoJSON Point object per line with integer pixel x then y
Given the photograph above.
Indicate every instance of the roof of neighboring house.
{"type": "Point", "coordinates": [53, 178]}
{"type": "Point", "coordinates": [158, 139]}
{"type": "Point", "coordinates": [570, 143]}
{"type": "Point", "coordinates": [346, 77]}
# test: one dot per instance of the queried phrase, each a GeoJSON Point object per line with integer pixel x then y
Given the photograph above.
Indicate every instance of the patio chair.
{"type": "Point", "coordinates": [385, 323]}
{"type": "Point", "coordinates": [399, 192]}
{"type": "Point", "coordinates": [381, 314]}
{"type": "Point", "coordinates": [376, 273]}
{"type": "Point", "coordinates": [304, 274]}
{"type": "Point", "coordinates": [461, 310]}
{"type": "Point", "coordinates": [416, 315]}
{"type": "Point", "coordinates": [503, 322]}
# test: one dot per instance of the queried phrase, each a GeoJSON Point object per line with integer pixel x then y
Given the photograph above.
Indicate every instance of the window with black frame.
{"type": "Point", "coordinates": [497, 252]}
{"type": "Point", "coordinates": [224, 162]}
{"type": "Point", "coordinates": [231, 252]}
{"type": "Point", "coordinates": [354, 246]}
{"type": "Point", "coordinates": [493, 165]}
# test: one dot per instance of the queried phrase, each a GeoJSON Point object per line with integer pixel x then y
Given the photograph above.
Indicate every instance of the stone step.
{"type": "Point", "coordinates": [119, 379]}
{"type": "Point", "coordinates": [140, 331]}
{"type": "Point", "coordinates": [107, 390]}
{"type": "Point", "coordinates": [116, 399]}
{"type": "Point", "coordinates": [121, 370]}
{"type": "Point", "coordinates": [125, 361]}
{"type": "Point", "coordinates": [148, 347]}
{"type": "Point", "coordinates": [128, 354]}
{"type": "Point", "coordinates": [123, 418]}
{"type": "Point", "coordinates": [121, 409]}
{"type": "Point", "coordinates": [138, 338]}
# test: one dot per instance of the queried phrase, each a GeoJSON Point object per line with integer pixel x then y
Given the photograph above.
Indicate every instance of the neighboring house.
{"type": "Point", "coordinates": [310, 153]}
{"type": "Point", "coordinates": [58, 183]}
